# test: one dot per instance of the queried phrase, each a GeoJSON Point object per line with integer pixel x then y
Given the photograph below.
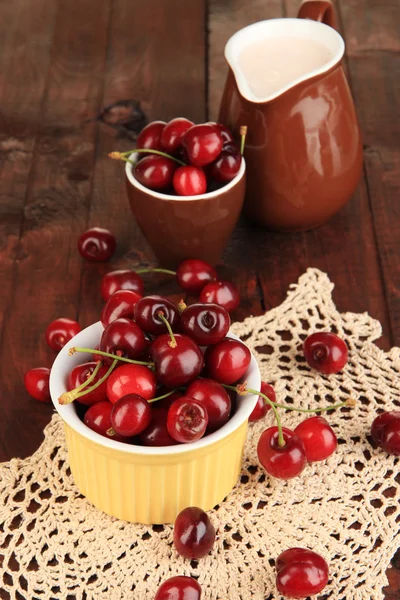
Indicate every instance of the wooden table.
{"type": "Point", "coordinates": [61, 62]}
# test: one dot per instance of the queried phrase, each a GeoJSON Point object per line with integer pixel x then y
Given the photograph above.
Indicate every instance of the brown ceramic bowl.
{"type": "Point", "coordinates": [180, 227]}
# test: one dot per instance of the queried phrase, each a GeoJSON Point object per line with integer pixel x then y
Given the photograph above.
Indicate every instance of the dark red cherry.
{"type": "Point", "coordinates": [150, 136]}
{"type": "Point", "coordinates": [179, 588]}
{"type": "Point", "coordinates": [318, 438]}
{"type": "Point", "coordinates": [97, 244]}
{"type": "Point", "coordinates": [156, 434]}
{"type": "Point", "coordinates": [223, 293]}
{"type": "Point", "coordinates": [178, 365]}
{"type": "Point", "coordinates": [147, 316]}
{"type": "Point", "coordinates": [123, 337]}
{"type": "Point", "coordinates": [130, 415]}
{"type": "Point", "coordinates": [283, 462]}
{"type": "Point", "coordinates": [261, 408]}
{"type": "Point", "coordinates": [155, 172]}
{"type": "Point", "coordinates": [301, 573]}
{"type": "Point", "coordinates": [194, 534]}
{"type": "Point", "coordinates": [187, 420]}
{"type": "Point", "coordinates": [193, 274]}
{"type": "Point", "coordinates": [131, 379]}
{"type": "Point", "coordinates": [98, 418]}
{"type": "Point", "coordinates": [216, 400]}
{"type": "Point", "coordinates": [189, 181]}
{"type": "Point", "coordinates": [173, 132]}
{"type": "Point", "coordinates": [385, 431]}
{"type": "Point", "coordinates": [60, 331]}
{"type": "Point", "coordinates": [36, 383]}
{"type": "Point", "coordinates": [80, 374]}
{"type": "Point", "coordinates": [227, 165]}
{"type": "Point", "coordinates": [206, 324]}
{"type": "Point", "coordinates": [326, 352]}
{"type": "Point", "coordinates": [121, 280]}
{"type": "Point", "coordinates": [226, 134]}
{"type": "Point", "coordinates": [227, 361]}
{"type": "Point", "coordinates": [203, 144]}
{"type": "Point", "coordinates": [119, 305]}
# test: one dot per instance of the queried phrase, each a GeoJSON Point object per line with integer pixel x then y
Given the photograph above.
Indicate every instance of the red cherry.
{"type": "Point", "coordinates": [226, 134]}
{"type": "Point", "coordinates": [318, 438]}
{"type": "Point", "coordinates": [223, 293]}
{"type": "Point", "coordinates": [130, 415]}
{"type": "Point", "coordinates": [203, 144]}
{"type": "Point", "coordinates": [187, 420]}
{"type": "Point", "coordinates": [189, 181]}
{"type": "Point", "coordinates": [80, 374]}
{"type": "Point", "coordinates": [206, 324]}
{"type": "Point", "coordinates": [61, 331]}
{"type": "Point", "coordinates": [178, 365]}
{"type": "Point", "coordinates": [227, 165]}
{"type": "Point", "coordinates": [194, 534]}
{"type": "Point", "coordinates": [147, 311]}
{"type": "Point", "coordinates": [131, 379]}
{"type": "Point", "coordinates": [301, 573]}
{"type": "Point", "coordinates": [36, 383]}
{"type": "Point", "coordinates": [173, 132]}
{"type": "Point", "coordinates": [326, 352]}
{"type": "Point", "coordinates": [282, 462]}
{"type": "Point", "coordinates": [97, 244]}
{"type": "Point", "coordinates": [227, 361]}
{"type": "Point", "coordinates": [155, 172]}
{"type": "Point", "coordinates": [216, 400]}
{"type": "Point", "coordinates": [150, 136]}
{"type": "Point", "coordinates": [98, 418]}
{"type": "Point", "coordinates": [385, 431]}
{"type": "Point", "coordinates": [123, 337]}
{"type": "Point", "coordinates": [179, 588]}
{"type": "Point", "coordinates": [193, 274]}
{"type": "Point", "coordinates": [156, 434]}
{"type": "Point", "coordinates": [121, 280]}
{"type": "Point", "coordinates": [261, 408]}
{"type": "Point", "coordinates": [119, 305]}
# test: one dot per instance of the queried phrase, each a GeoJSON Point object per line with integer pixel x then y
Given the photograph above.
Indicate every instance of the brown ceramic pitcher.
{"type": "Point", "coordinates": [303, 149]}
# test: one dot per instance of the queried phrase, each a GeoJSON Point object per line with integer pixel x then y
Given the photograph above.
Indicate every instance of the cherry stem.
{"type": "Point", "coordinates": [100, 381]}
{"type": "Point", "coordinates": [125, 155]}
{"type": "Point", "coordinates": [243, 133]}
{"type": "Point", "coordinates": [78, 392]}
{"type": "Point", "coordinates": [161, 397]}
{"type": "Point", "coordinates": [172, 343]}
{"type": "Point", "coordinates": [68, 397]}
{"type": "Point", "coordinates": [151, 270]}
{"type": "Point", "coordinates": [89, 379]}
{"type": "Point", "coordinates": [348, 403]}
{"type": "Point", "coordinates": [109, 355]}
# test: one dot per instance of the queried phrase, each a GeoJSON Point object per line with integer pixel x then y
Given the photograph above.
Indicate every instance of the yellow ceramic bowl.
{"type": "Point", "coordinates": [147, 484]}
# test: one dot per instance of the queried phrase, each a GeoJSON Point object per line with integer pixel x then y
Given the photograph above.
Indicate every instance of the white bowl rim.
{"type": "Point", "coordinates": [67, 412]}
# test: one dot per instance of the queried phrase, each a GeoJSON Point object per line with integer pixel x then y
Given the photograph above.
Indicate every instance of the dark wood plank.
{"type": "Point", "coordinates": [47, 274]}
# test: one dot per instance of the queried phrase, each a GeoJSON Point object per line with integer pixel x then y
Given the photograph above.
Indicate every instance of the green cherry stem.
{"type": "Point", "coordinates": [151, 270]}
{"type": "Point", "coordinates": [78, 392]}
{"type": "Point", "coordinates": [161, 397]}
{"type": "Point", "coordinates": [349, 403]}
{"type": "Point", "coordinates": [89, 379]}
{"type": "Point", "coordinates": [109, 355]}
{"type": "Point", "coordinates": [125, 155]}
{"type": "Point", "coordinates": [172, 343]}
{"type": "Point", "coordinates": [243, 133]}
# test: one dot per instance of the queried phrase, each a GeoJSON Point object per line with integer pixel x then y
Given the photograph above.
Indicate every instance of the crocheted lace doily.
{"type": "Point", "coordinates": [56, 545]}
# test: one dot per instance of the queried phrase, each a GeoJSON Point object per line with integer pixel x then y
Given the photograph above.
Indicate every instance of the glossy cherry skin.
{"type": "Point", "coordinates": [176, 366]}
{"type": "Point", "coordinates": [203, 143]}
{"type": "Point", "coordinates": [206, 324]}
{"type": "Point", "coordinates": [189, 181]}
{"type": "Point", "coordinates": [147, 317]}
{"type": "Point", "coordinates": [385, 431]}
{"type": "Point", "coordinates": [171, 136]}
{"type": "Point", "coordinates": [123, 279]}
{"type": "Point", "coordinates": [261, 408]}
{"type": "Point", "coordinates": [223, 293]}
{"type": "Point", "coordinates": [226, 134]}
{"type": "Point", "coordinates": [179, 588]}
{"type": "Point", "coordinates": [281, 462]}
{"type": "Point", "coordinates": [325, 352]}
{"type": "Point", "coordinates": [60, 331]}
{"type": "Point", "coordinates": [150, 136]}
{"type": "Point", "coordinates": [130, 415]}
{"type": "Point", "coordinates": [227, 165]}
{"type": "Point", "coordinates": [36, 383]}
{"type": "Point", "coordinates": [216, 400]}
{"type": "Point", "coordinates": [155, 172]}
{"type": "Point", "coordinates": [80, 374]}
{"type": "Point", "coordinates": [194, 534]}
{"type": "Point", "coordinates": [318, 438]}
{"type": "Point", "coordinates": [97, 244]}
{"type": "Point", "coordinates": [156, 434]}
{"type": "Point", "coordinates": [123, 337]}
{"type": "Point", "coordinates": [131, 379]}
{"type": "Point", "coordinates": [119, 305]}
{"type": "Point", "coordinates": [187, 420]}
{"type": "Point", "coordinates": [193, 274]}
{"type": "Point", "coordinates": [98, 418]}
{"type": "Point", "coordinates": [301, 573]}
{"type": "Point", "coordinates": [227, 361]}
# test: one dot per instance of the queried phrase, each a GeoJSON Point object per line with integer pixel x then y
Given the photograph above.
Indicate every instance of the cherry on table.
{"type": "Point", "coordinates": [283, 462]}
{"type": "Point", "coordinates": [155, 172]}
{"type": "Point", "coordinates": [261, 408]}
{"type": "Point", "coordinates": [98, 419]}
{"type": "Point", "coordinates": [123, 279]}
{"type": "Point", "coordinates": [385, 431]}
{"type": "Point", "coordinates": [156, 434]}
{"type": "Point", "coordinates": [60, 331]}
{"type": "Point", "coordinates": [227, 164]}
{"type": "Point", "coordinates": [227, 361]}
{"type": "Point", "coordinates": [301, 573]}
{"type": "Point", "coordinates": [80, 374]}
{"type": "Point", "coordinates": [193, 274]}
{"type": "Point", "coordinates": [150, 136]}
{"type": "Point", "coordinates": [179, 588]}
{"type": "Point", "coordinates": [147, 316]}
{"type": "Point", "coordinates": [171, 135]}
{"type": "Point", "coordinates": [97, 244]}
{"type": "Point", "coordinates": [130, 415]}
{"type": "Point", "coordinates": [36, 383]}
{"type": "Point", "coordinates": [120, 305]}
{"type": "Point", "coordinates": [123, 337]}
{"type": "Point", "coordinates": [189, 181]}
{"type": "Point", "coordinates": [194, 534]}
{"type": "Point", "coordinates": [206, 324]}
{"type": "Point", "coordinates": [203, 143]}
{"type": "Point", "coordinates": [216, 400]}
{"type": "Point", "coordinates": [176, 365]}
{"type": "Point", "coordinates": [326, 352]}
{"type": "Point", "coordinates": [131, 379]}
{"type": "Point", "coordinates": [318, 438]}
{"type": "Point", "coordinates": [224, 293]}
{"type": "Point", "coordinates": [187, 420]}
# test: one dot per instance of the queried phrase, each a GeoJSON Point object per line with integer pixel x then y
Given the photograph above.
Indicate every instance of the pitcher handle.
{"type": "Point", "coordinates": [318, 10]}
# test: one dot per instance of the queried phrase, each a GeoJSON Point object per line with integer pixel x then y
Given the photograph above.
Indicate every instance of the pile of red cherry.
{"type": "Point", "coordinates": [182, 158]}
